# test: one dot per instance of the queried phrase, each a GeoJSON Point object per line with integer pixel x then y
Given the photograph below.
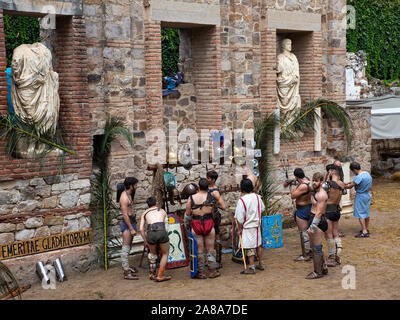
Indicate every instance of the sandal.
{"type": "Point", "coordinates": [214, 274]}
{"type": "Point", "coordinates": [362, 235]}
{"type": "Point", "coordinates": [341, 234]}
{"type": "Point", "coordinates": [362, 232]}
{"type": "Point", "coordinates": [248, 271]}
{"type": "Point", "coordinates": [129, 276]}
{"type": "Point", "coordinates": [200, 275]}
{"type": "Point", "coordinates": [302, 258]}
{"type": "Point", "coordinates": [163, 278]}
{"type": "Point", "coordinates": [314, 275]}
{"type": "Point", "coordinates": [132, 269]}
{"type": "Point", "coordinates": [152, 276]}
{"type": "Point", "coordinates": [260, 267]}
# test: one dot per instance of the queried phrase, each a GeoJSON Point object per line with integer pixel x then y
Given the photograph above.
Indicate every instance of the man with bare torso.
{"type": "Point", "coordinates": [318, 225]}
{"type": "Point", "coordinates": [128, 226]}
{"type": "Point", "coordinates": [336, 187]}
{"type": "Point", "coordinates": [212, 177]}
{"type": "Point", "coordinates": [248, 174]}
{"type": "Point", "coordinates": [200, 208]}
{"type": "Point", "coordinates": [302, 195]}
{"type": "Point", "coordinates": [156, 220]}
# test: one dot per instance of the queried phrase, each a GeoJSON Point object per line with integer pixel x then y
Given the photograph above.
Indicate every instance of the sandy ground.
{"type": "Point", "coordinates": [376, 261]}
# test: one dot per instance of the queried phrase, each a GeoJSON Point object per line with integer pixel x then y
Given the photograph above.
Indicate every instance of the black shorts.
{"type": "Point", "coordinates": [157, 236]}
{"type": "Point", "coordinates": [332, 213]}
{"type": "Point", "coordinates": [217, 222]}
{"type": "Point", "coordinates": [323, 224]}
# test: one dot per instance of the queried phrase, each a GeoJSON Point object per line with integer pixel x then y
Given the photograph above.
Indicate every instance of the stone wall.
{"type": "Point", "coordinates": [385, 156]}
{"type": "Point", "coordinates": [45, 206]}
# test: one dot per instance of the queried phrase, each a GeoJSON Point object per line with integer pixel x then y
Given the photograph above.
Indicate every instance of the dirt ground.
{"type": "Point", "coordinates": [376, 261]}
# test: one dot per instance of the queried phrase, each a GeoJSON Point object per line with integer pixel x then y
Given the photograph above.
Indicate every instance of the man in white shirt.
{"type": "Point", "coordinates": [248, 213]}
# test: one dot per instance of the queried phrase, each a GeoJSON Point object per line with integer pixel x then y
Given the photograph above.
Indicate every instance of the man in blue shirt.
{"type": "Point", "coordinates": [362, 183]}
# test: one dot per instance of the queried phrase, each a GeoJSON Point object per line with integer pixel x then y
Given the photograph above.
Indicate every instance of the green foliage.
{"type": "Point", "coordinates": [291, 130]}
{"type": "Point", "coordinates": [15, 129]}
{"type": "Point", "coordinates": [19, 30]}
{"type": "Point", "coordinates": [103, 208]}
{"type": "Point", "coordinates": [170, 50]}
{"type": "Point", "coordinates": [377, 33]}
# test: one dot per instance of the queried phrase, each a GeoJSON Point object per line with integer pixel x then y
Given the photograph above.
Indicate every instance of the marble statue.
{"type": "Point", "coordinates": [34, 94]}
{"type": "Point", "coordinates": [288, 80]}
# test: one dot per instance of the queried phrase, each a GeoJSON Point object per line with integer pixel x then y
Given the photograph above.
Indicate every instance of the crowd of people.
{"type": "Point", "coordinates": [317, 215]}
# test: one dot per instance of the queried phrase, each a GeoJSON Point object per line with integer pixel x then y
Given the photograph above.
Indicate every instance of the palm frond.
{"type": "Point", "coordinates": [103, 207]}
{"type": "Point", "coordinates": [16, 129]}
{"type": "Point", "coordinates": [292, 128]}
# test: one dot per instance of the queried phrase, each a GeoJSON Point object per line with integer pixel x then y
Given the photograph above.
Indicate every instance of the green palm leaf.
{"type": "Point", "coordinates": [103, 207]}
{"type": "Point", "coordinates": [291, 130]}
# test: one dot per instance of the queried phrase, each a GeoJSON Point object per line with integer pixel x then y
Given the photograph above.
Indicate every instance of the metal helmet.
{"type": "Point", "coordinates": [188, 190]}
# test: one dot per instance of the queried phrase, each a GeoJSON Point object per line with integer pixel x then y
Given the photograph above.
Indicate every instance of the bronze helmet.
{"type": "Point", "coordinates": [189, 190]}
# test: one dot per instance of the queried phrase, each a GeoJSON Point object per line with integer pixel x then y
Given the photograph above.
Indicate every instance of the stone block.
{"type": "Point", "coordinates": [84, 223]}
{"type": "Point", "coordinates": [6, 238]}
{"type": "Point", "coordinates": [7, 227]}
{"type": "Point", "coordinates": [69, 199]}
{"type": "Point", "coordinates": [56, 229]}
{"type": "Point", "coordinates": [50, 203]}
{"type": "Point", "coordinates": [79, 184]}
{"type": "Point", "coordinates": [25, 234]}
{"type": "Point", "coordinates": [43, 191]}
{"type": "Point", "coordinates": [60, 186]}
{"type": "Point", "coordinates": [84, 199]}
{"type": "Point", "coordinates": [71, 226]}
{"type": "Point", "coordinates": [37, 182]}
{"type": "Point", "coordinates": [53, 221]}
{"type": "Point", "coordinates": [9, 196]}
{"type": "Point", "coordinates": [42, 232]}
{"type": "Point", "coordinates": [34, 222]}
{"type": "Point", "coordinates": [27, 206]}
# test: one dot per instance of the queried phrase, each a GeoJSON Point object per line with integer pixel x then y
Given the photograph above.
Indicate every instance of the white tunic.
{"type": "Point", "coordinates": [249, 210]}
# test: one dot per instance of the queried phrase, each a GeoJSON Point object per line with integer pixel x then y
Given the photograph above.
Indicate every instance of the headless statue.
{"type": "Point", "coordinates": [34, 95]}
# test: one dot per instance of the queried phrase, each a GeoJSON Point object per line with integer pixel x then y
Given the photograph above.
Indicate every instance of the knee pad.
{"type": "Point", "coordinates": [338, 242]}
{"type": "Point", "coordinates": [318, 249]}
{"type": "Point", "coordinates": [152, 257]}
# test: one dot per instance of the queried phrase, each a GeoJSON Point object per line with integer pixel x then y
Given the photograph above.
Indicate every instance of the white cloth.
{"type": "Point", "coordinates": [250, 213]}
{"type": "Point", "coordinates": [251, 238]}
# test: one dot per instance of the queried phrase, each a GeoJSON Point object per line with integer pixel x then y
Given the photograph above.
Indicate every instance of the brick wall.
{"type": "Point", "coordinates": [36, 198]}
{"type": "Point", "coordinates": [74, 108]}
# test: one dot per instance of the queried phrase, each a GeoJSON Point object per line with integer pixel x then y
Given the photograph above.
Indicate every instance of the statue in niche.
{"type": "Point", "coordinates": [288, 80]}
{"type": "Point", "coordinates": [34, 95]}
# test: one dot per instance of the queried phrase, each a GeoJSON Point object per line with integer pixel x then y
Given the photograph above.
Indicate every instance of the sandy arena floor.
{"type": "Point", "coordinates": [376, 261]}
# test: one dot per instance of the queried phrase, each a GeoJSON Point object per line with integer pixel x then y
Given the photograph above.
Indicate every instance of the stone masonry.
{"type": "Point", "coordinates": [109, 61]}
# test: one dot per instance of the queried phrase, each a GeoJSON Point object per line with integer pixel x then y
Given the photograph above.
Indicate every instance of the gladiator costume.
{"type": "Point", "coordinates": [303, 212]}
{"type": "Point", "coordinates": [156, 234]}
{"type": "Point", "coordinates": [334, 245]}
{"type": "Point", "coordinates": [217, 222]}
{"type": "Point", "coordinates": [203, 225]}
{"type": "Point", "coordinates": [320, 267]}
{"type": "Point", "coordinates": [123, 227]}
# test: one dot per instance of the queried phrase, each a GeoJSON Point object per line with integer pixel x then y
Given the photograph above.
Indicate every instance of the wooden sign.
{"type": "Point", "coordinates": [49, 243]}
